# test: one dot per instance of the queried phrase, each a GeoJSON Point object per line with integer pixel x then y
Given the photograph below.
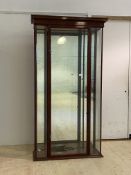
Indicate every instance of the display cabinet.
{"type": "Point", "coordinates": [68, 86]}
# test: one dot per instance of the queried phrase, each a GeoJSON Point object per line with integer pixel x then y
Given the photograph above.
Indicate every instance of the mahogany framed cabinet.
{"type": "Point", "coordinates": [68, 86]}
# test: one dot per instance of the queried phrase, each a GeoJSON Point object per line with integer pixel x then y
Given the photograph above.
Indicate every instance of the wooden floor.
{"type": "Point", "coordinates": [17, 160]}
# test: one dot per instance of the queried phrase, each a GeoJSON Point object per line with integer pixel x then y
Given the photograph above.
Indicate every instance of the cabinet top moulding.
{"type": "Point", "coordinates": [67, 21]}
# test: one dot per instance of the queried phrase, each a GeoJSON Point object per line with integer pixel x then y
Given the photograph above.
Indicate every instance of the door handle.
{"type": "Point", "coordinates": [81, 75]}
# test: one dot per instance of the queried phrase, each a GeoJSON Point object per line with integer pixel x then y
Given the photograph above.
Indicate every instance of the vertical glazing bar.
{"type": "Point", "coordinates": [88, 90]}
{"type": "Point", "coordinates": [48, 92]}
{"type": "Point", "coordinates": [83, 90]}
{"type": "Point", "coordinates": [79, 89]}
{"type": "Point", "coordinates": [101, 89]}
{"type": "Point", "coordinates": [94, 93]}
{"type": "Point", "coordinates": [45, 91]}
{"type": "Point", "coordinates": [35, 95]}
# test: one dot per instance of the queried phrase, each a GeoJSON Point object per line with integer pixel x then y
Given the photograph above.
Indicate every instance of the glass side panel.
{"type": "Point", "coordinates": [68, 126]}
{"type": "Point", "coordinates": [40, 57]}
{"type": "Point", "coordinates": [96, 90]}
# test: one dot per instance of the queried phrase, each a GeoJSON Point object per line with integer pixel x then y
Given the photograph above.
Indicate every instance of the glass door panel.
{"type": "Point", "coordinates": [96, 90]}
{"type": "Point", "coordinates": [68, 92]}
{"type": "Point", "coordinates": [41, 110]}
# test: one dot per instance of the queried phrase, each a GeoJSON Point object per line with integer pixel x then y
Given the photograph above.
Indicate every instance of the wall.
{"type": "Point", "coordinates": [16, 76]}
{"type": "Point", "coordinates": [130, 80]}
{"type": "Point", "coordinates": [16, 79]}
{"type": "Point", "coordinates": [115, 79]}
{"type": "Point", "coordinates": [117, 7]}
